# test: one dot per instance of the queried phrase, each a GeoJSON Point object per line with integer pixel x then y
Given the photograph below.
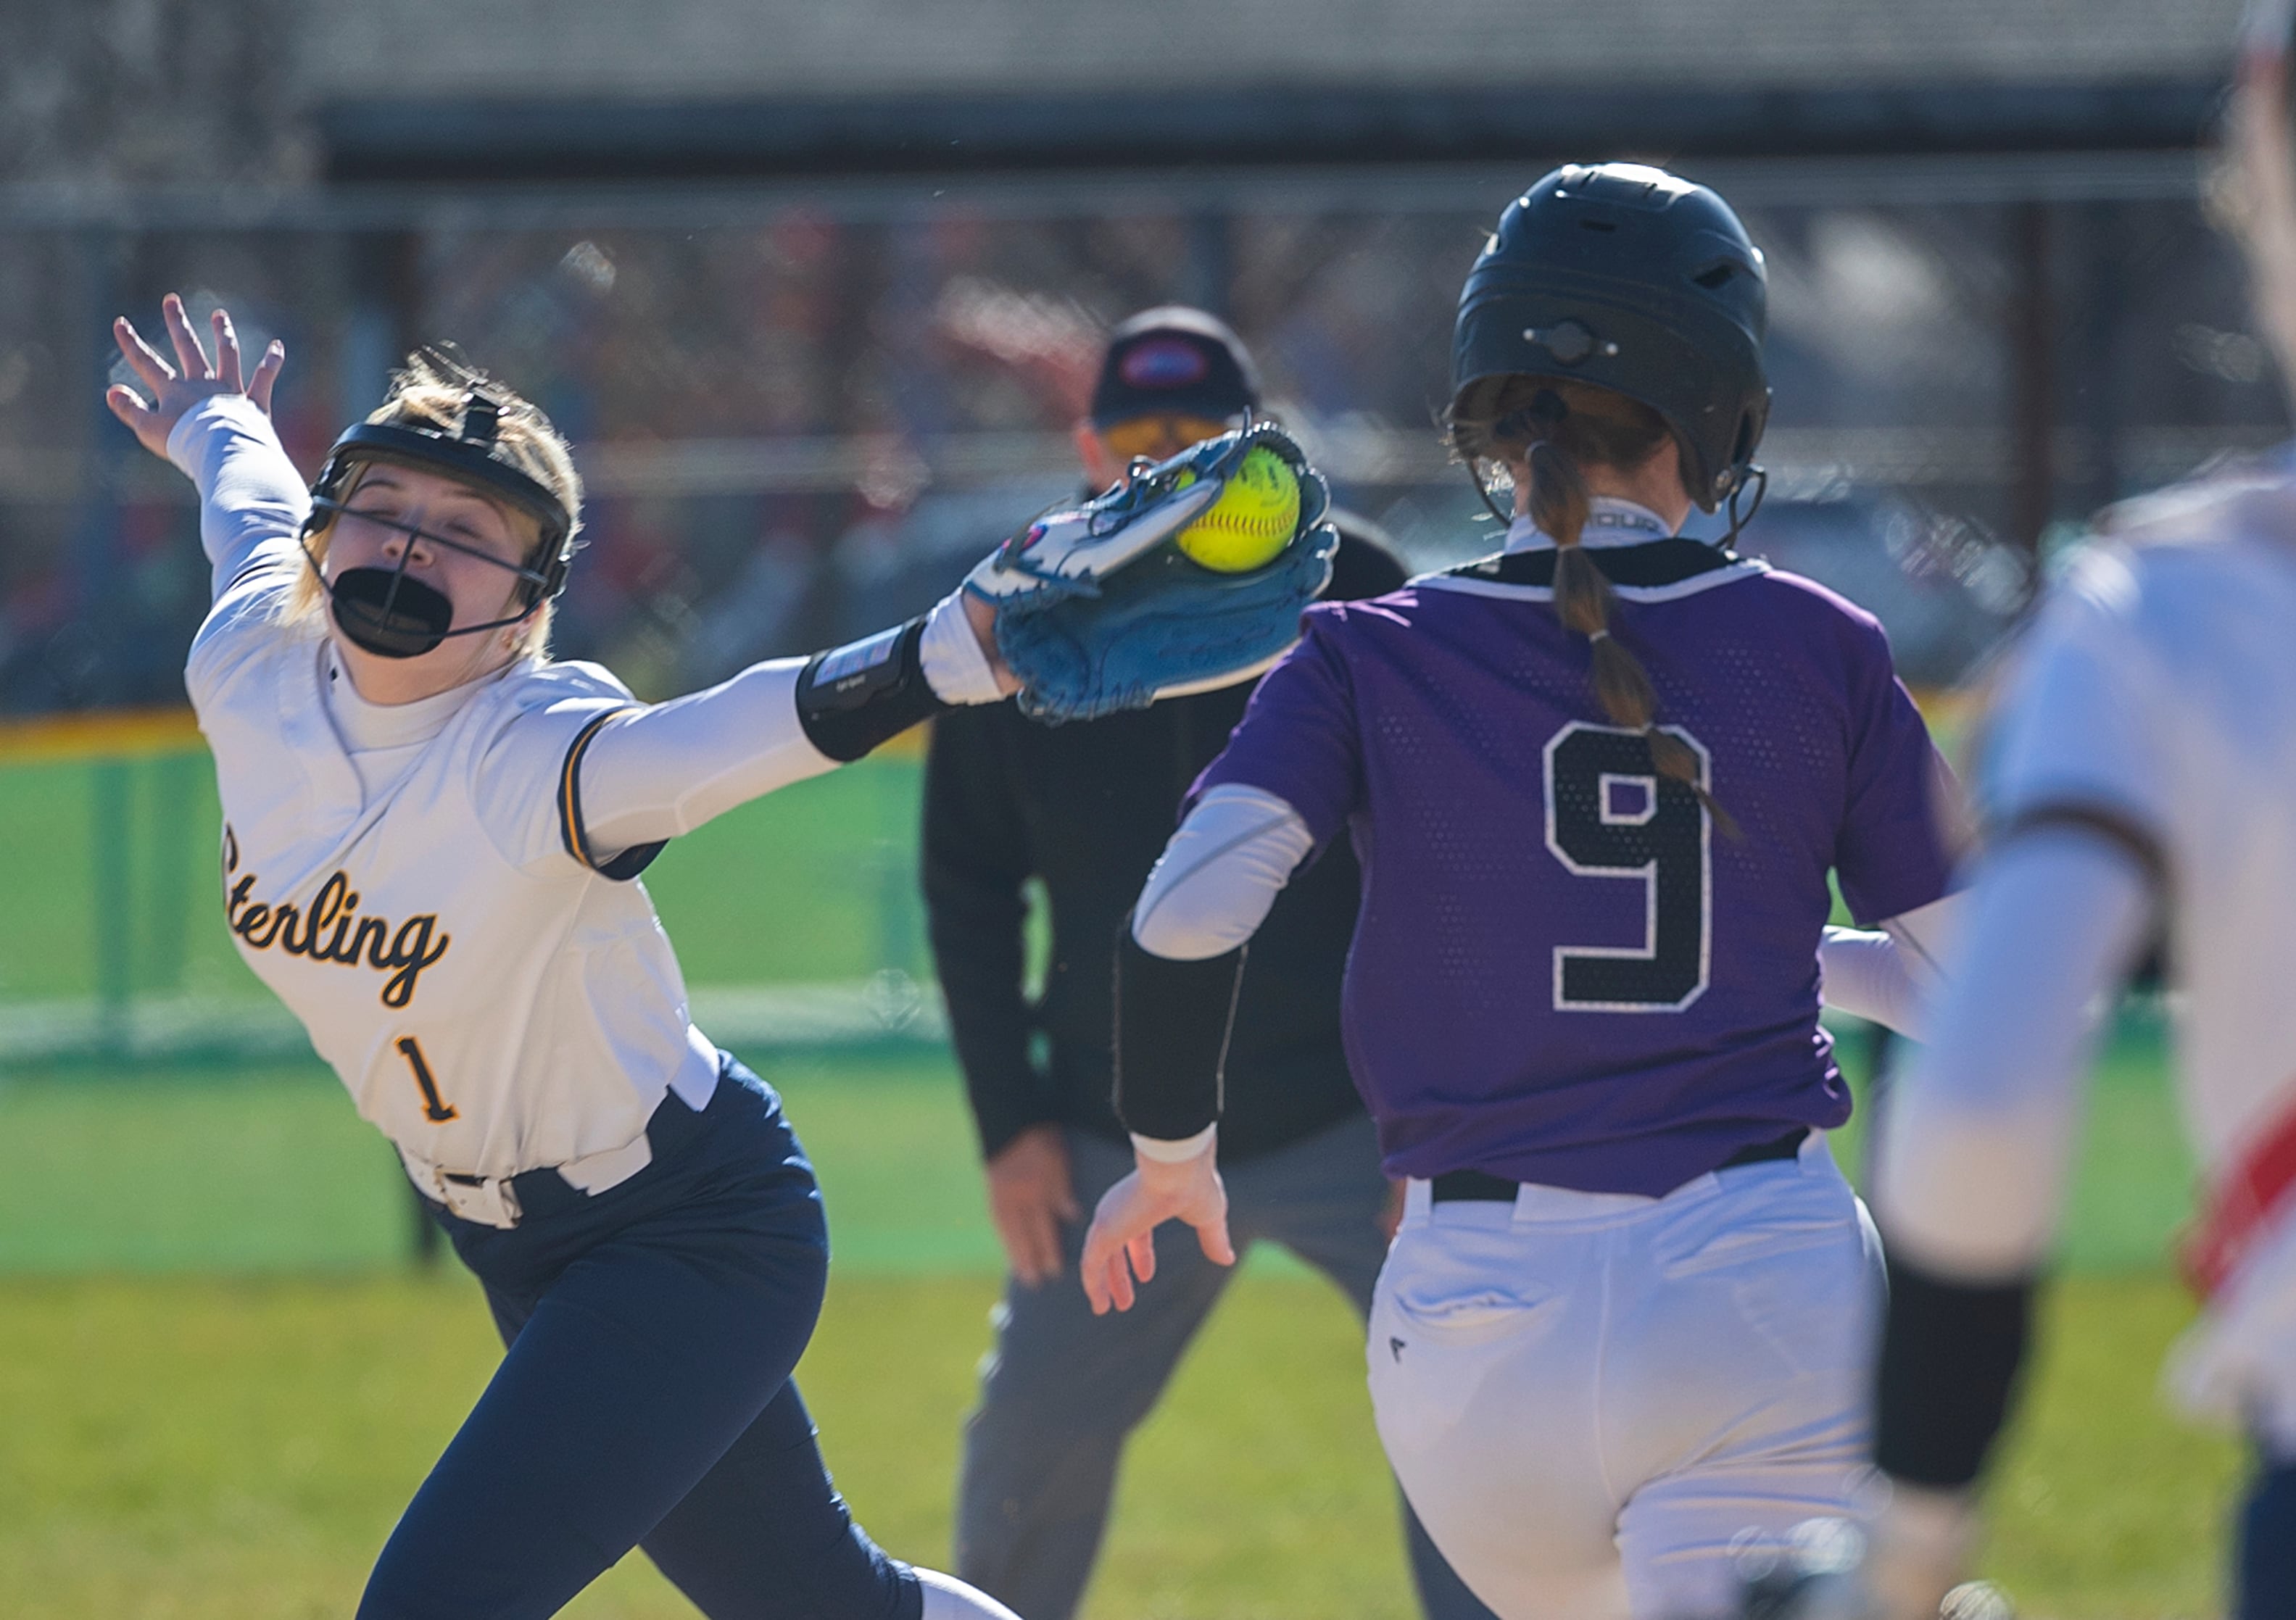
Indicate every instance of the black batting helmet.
{"type": "Point", "coordinates": [1634, 279]}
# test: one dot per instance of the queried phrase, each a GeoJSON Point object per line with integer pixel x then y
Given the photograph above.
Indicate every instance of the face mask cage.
{"type": "Point", "coordinates": [392, 615]}
{"type": "Point", "coordinates": [1495, 485]}
{"type": "Point", "coordinates": [1493, 476]}
{"type": "Point", "coordinates": [387, 612]}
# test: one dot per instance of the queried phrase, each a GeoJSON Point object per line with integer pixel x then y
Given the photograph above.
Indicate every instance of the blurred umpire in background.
{"type": "Point", "coordinates": [1085, 809]}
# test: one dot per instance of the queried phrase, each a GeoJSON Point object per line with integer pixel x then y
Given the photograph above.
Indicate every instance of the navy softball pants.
{"type": "Point", "coordinates": [646, 1398]}
{"type": "Point", "coordinates": [2264, 1559]}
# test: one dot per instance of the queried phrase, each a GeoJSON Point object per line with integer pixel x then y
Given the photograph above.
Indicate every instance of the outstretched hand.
{"type": "Point", "coordinates": [1121, 1245]}
{"type": "Point", "coordinates": [176, 388]}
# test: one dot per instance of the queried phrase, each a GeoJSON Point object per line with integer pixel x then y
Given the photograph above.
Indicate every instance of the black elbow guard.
{"type": "Point", "coordinates": [1172, 1024]}
{"type": "Point", "coordinates": [854, 697]}
{"type": "Point", "coordinates": [1950, 1356]}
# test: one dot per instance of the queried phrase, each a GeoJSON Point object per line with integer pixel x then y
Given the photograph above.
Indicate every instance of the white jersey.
{"type": "Point", "coordinates": [2153, 704]}
{"type": "Point", "coordinates": [431, 887]}
{"type": "Point", "coordinates": [2159, 688]}
{"type": "Point", "coordinates": [493, 1003]}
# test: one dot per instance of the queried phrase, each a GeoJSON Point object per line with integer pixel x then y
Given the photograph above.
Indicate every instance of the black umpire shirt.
{"type": "Point", "coordinates": [1086, 807]}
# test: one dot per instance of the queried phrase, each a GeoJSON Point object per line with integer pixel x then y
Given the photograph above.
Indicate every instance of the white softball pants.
{"type": "Point", "coordinates": [1592, 1399]}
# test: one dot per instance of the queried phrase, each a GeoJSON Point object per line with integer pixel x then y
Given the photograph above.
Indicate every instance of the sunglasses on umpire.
{"type": "Point", "coordinates": [1158, 436]}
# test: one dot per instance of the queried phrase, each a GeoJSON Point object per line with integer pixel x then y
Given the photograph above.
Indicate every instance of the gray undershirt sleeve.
{"type": "Point", "coordinates": [1218, 875]}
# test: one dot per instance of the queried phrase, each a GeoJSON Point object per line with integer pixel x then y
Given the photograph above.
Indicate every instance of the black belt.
{"type": "Point", "coordinates": [1453, 1186]}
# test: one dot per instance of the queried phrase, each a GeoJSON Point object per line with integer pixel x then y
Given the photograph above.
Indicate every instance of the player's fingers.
{"type": "Point", "coordinates": [1142, 1252]}
{"type": "Point", "coordinates": [127, 405]}
{"type": "Point", "coordinates": [267, 373]}
{"type": "Point", "coordinates": [1213, 1238]}
{"type": "Point", "coordinates": [1093, 1269]}
{"type": "Point", "coordinates": [190, 357]}
{"type": "Point", "coordinates": [1108, 1286]}
{"type": "Point", "coordinates": [142, 358]}
{"type": "Point", "coordinates": [226, 347]}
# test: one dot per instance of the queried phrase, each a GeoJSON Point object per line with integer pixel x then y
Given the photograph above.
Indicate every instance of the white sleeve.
{"type": "Point", "coordinates": [252, 502]}
{"type": "Point", "coordinates": [1211, 888]}
{"type": "Point", "coordinates": [661, 771]}
{"type": "Point", "coordinates": [2089, 715]}
{"type": "Point", "coordinates": [658, 772]}
{"type": "Point", "coordinates": [1978, 1136]}
{"type": "Point", "coordinates": [1892, 976]}
{"type": "Point", "coordinates": [950, 654]}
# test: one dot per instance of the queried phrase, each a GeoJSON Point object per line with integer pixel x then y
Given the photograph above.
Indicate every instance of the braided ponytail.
{"type": "Point", "coordinates": [1610, 431]}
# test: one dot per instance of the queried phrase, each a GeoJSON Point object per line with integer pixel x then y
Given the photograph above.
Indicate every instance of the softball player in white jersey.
{"type": "Point", "coordinates": [2140, 781]}
{"type": "Point", "coordinates": [432, 830]}
{"type": "Point", "coordinates": [1597, 785]}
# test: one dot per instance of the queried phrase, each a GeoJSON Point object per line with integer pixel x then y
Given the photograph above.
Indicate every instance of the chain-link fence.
{"type": "Point", "coordinates": [801, 413]}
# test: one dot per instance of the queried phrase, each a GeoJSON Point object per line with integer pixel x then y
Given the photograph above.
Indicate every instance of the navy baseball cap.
{"type": "Point", "coordinates": [1173, 361]}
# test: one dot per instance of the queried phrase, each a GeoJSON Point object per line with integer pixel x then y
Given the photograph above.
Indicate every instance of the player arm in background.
{"type": "Point", "coordinates": [1180, 969]}
{"type": "Point", "coordinates": [649, 774]}
{"type": "Point", "coordinates": [1978, 1139]}
{"type": "Point", "coordinates": [1288, 779]}
{"type": "Point", "coordinates": [1893, 974]}
{"type": "Point", "coordinates": [1976, 1149]}
{"type": "Point", "coordinates": [1179, 962]}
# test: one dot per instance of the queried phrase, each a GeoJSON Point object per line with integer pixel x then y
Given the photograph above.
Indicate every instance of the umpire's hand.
{"type": "Point", "coordinates": [1030, 1198]}
{"type": "Point", "coordinates": [1121, 1245]}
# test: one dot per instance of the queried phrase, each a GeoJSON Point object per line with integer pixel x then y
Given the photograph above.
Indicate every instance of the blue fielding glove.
{"type": "Point", "coordinates": [1096, 610]}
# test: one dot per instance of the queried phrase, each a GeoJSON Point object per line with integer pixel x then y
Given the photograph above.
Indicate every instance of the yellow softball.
{"type": "Point", "coordinates": [1251, 521]}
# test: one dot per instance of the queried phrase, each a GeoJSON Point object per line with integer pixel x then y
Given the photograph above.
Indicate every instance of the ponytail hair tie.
{"type": "Point", "coordinates": [1598, 635]}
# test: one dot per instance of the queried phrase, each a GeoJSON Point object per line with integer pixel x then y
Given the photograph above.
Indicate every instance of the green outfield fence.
{"type": "Point", "coordinates": [796, 918]}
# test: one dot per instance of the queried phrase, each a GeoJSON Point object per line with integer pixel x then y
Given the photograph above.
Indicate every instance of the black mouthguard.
{"type": "Point", "coordinates": [388, 614]}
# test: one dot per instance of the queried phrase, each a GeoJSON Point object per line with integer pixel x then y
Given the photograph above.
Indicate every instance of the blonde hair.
{"type": "Point", "coordinates": [1558, 427]}
{"type": "Point", "coordinates": [430, 391]}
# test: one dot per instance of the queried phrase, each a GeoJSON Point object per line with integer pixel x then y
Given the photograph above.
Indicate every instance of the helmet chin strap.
{"type": "Point", "coordinates": [1758, 480]}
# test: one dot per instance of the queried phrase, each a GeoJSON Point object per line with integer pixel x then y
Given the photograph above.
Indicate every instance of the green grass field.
{"type": "Point", "coordinates": [205, 1450]}
{"type": "Point", "coordinates": [220, 1378]}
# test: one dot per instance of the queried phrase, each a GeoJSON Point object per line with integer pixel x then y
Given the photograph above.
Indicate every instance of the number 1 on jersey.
{"type": "Point", "coordinates": [436, 1111]}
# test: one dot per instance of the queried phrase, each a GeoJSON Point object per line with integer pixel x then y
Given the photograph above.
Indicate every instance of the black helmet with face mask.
{"type": "Point", "coordinates": [386, 611]}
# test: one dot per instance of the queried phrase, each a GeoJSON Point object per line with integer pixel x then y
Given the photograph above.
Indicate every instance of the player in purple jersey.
{"type": "Point", "coordinates": [1598, 784]}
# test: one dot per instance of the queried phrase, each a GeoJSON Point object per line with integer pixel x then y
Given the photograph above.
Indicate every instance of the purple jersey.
{"type": "Point", "coordinates": [1563, 972]}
